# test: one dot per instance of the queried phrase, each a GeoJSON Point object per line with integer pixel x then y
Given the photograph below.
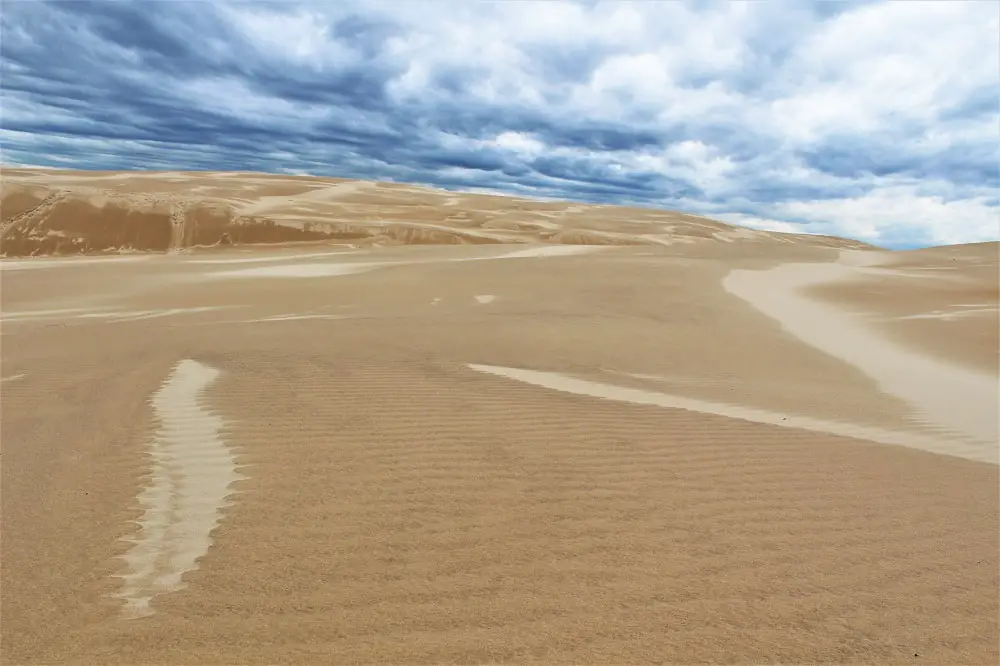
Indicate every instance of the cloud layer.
{"type": "Point", "coordinates": [877, 121]}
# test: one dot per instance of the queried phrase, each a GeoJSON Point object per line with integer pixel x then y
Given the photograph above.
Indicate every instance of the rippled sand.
{"type": "Point", "coordinates": [715, 452]}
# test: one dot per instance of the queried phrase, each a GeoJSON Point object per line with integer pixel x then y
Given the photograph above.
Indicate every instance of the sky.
{"type": "Point", "coordinates": [878, 121]}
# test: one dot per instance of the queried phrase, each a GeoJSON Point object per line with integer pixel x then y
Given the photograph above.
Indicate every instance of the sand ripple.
{"type": "Point", "coordinates": [193, 470]}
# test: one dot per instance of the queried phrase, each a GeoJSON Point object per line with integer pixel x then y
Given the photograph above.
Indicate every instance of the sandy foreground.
{"type": "Point", "coordinates": [711, 451]}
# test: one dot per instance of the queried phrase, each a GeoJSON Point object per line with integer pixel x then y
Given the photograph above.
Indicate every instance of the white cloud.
{"type": "Point", "coordinates": [763, 224]}
{"type": "Point", "coordinates": [688, 161]}
{"type": "Point", "coordinates": [900, 212]}
{"type": "Point", "coordinates": [301, 36]}
{"type": "Point", "coordinates": [887, 63]}
{"type": "Point", "coordinates": [232, 96]}
{"type": "Point", "coordinates": [520, 142]}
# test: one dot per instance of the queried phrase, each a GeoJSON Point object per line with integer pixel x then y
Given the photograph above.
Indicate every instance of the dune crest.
{"type": "Point", "coordinates": [72, 212]}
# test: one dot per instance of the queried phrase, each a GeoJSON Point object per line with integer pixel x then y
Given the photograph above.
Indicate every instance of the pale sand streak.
{"type": "Point", "coordinates": [485, 298]}
{"type": "Point", "coordinates": [70, 262]}
{"type": "Point", "coordinates": [101, 313]}
{"type": "Point", "coordinates": [46, 314]}
{"type": "Point", "coordinates": [193, 470]}
{"type": "Point", "coordinates": [298, 271]}
{"type": "Point", "coordinates": [953, 446]}
{"type": "Point", "coordinates": [295, 317]}
{"type": "Point", "coordinates": [264, 259]}
{"type": "Point", "coordinates": [949, 316]}
{"type": "Point", "coordinates": [154, 314]}
{"type": "Point", "coordinates": [960, 400]}
{"type": "Point", "coordinates": [333, 269]}
{"type": "Point", "coordinates": [13, 378]}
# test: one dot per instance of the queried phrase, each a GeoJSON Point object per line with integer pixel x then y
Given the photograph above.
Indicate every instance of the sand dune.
{"type": "Point", "coordinates": [740, 449]}
{"type": "Point", "coordinates": [64, 212]}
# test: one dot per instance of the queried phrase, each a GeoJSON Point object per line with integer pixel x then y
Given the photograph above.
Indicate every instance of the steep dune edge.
{"type": "Point", "coordinates": [50, 212]}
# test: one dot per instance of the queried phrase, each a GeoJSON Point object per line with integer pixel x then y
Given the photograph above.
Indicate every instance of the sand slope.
{"type": "Point", "coordinates": [962, 401]}
{"type": "Point", "coordinates": [73, 212]}
{"type": "Point", "coordinates": [306, 455]}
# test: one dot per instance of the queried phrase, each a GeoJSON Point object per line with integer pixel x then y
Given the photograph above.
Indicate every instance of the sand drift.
{"type": "Point", "coordinates": [560, 382]}
{"type": "Point", "coordinates": [328, 269]}
{"type": "Point", "coordinates": [193, 470]}
{"type": "Point", "coordinates": [963, 402]}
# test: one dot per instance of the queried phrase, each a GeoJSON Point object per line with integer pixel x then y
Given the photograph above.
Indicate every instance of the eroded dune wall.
{"type": "Point", "coordinates": [46, 212]}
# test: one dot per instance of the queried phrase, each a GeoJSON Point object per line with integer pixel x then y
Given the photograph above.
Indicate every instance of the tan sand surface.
{"type": "Point", "coordinates": [495, 453]}
{"type": "Point", "coordinates": [961, 400]}
{"type": "Point", "coordinates": [942, 301]}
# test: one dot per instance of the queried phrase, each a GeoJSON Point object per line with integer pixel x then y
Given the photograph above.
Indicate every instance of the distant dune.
{"type": "Point", "coordinates": [47, 212]}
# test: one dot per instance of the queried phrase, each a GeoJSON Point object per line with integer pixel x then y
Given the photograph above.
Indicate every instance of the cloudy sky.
{"type": "Point", "coordinates": [874, 120]}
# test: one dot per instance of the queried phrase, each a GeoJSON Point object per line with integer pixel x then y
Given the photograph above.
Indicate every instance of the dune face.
{"type": "Point", "coordinates": [731, 449]}
{"type": "Point", "coordinates": [58, 212]}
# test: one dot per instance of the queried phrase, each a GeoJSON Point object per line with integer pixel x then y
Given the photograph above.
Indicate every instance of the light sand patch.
{"type": "Point", "coordinates": [317, 270]}
{"type": "Point", "coordinates": [319, 194]}
{"type": "Point", "coordinates": [685, 381]}
{"type": "Point", "coordinates": [436, 301]}
{"type": "Point", "coordinates": [72, 262]}
{"type": "Point", "coordinates": [295, 317]}
{"type": "Point", "coordinates": [100, 313]}
{"type": "Point", "coordinates": [298, 271]}
{"type": "Point", "coordinates": [956, 398]}
{"type": "Point", "coordinates": [12, 378]}
{"type": "Point", "coordinates": [264, 259]}
{"type": "Point", "coordinates": [534, 251]}
{"type": "Point", "coordinates": [485, 298]}
{"type": "Point", "coordinates": [28, 315]}
{"type": "Point", "coordinates": [952, 446]}
{"type": "Point", "coordinates": [155, 314]}
{"type": "Point", "coordinates": [115, 316]}
{"type": "Point", "coordinates": [548, 251]}
{"type": "Point", "coordinates": [951, 315]}
{"type": "Point", "coordinates": [193, 470]}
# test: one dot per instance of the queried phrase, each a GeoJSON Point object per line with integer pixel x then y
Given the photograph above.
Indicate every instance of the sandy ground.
{"type": "Point", "coordinates": [961, 401]}
{"type": "Point", "coordinates": [709, 452]}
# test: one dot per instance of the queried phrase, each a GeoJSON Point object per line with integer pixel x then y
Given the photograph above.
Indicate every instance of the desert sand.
{"type": "Point", "coordinates": [290, 420]}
